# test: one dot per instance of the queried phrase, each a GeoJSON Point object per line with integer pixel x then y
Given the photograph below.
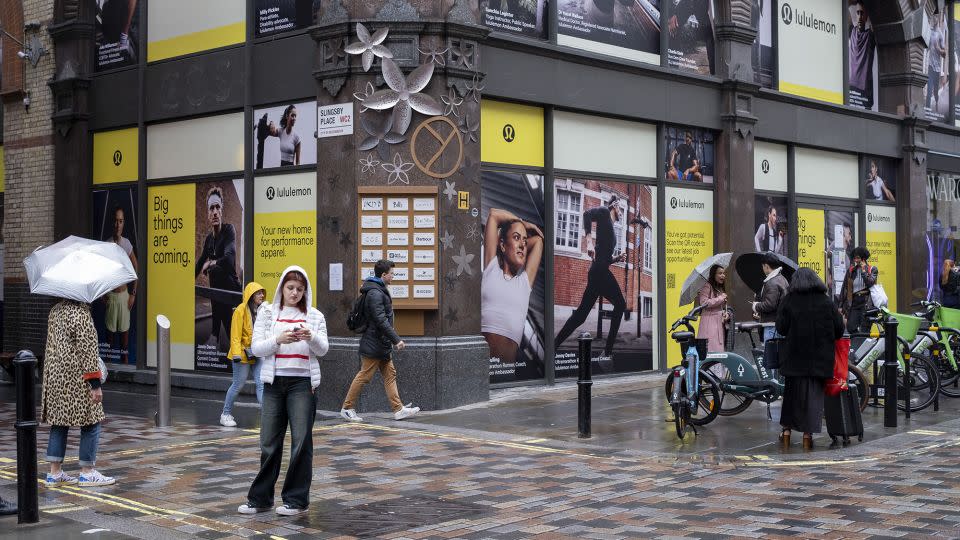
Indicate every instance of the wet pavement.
{"type": "Point", "coordinates": [511, 468]}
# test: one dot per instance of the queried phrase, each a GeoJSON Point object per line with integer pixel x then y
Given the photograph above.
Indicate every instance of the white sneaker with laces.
{"type": "Point", "coordinates": [94, 479]}
{"type": "Point", "coordinates": [287, 510]}
{"type": "Point", "coordinates": [60, 479]}
{"type": "Point", "coordinates": [407, 411]}
{"type": "Point", "coordinates": [350, 415]}
{"type": "Point", "coordinates": [227, 420]}
{"type": "Point", "coordinates": [247, 509]}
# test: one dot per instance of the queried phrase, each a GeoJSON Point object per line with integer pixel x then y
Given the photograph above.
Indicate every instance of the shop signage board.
{"type": "Point", "coordinates": [334, 120]}
{"type": "Point", "coordinates": [810, 49]}
{"type": "Point", "coordinates": [811, 248]}
{"type": "Point", "coordinates": [689, 240]}
{"type": "Point", "coordinates": [284, 227]}
{"type": "Point", "coordinates": [388, 223]}
{"type": "Point", "coordinates": [882, 244]}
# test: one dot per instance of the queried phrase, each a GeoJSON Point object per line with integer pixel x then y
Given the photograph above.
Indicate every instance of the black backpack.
{"type": "Point", "coordinates": [357, 319]}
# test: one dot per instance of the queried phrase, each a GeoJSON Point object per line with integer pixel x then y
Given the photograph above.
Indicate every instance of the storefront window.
{"type": "Point", "coordinates": [568, 219]}
{"type": "Point", "coordinates": [943, 219]}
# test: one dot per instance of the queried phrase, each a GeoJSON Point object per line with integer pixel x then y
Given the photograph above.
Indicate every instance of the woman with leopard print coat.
{"type": "Point", "coordinates": [71, 395]}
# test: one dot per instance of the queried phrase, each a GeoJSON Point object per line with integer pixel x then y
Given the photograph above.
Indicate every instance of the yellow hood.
{"type": "Point", "coordinates": [250, 290]}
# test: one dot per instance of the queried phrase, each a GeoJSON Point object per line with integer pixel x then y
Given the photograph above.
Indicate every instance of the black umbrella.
{"type": "Point", "coordinates": [750, 271]}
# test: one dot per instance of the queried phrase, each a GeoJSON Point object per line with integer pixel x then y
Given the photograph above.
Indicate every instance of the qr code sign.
{"type": "Point", "coordinates": [671, 281]}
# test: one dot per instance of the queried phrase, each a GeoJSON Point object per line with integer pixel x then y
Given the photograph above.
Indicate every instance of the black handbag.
{"type": "Point", "coordinates": [771, 353]}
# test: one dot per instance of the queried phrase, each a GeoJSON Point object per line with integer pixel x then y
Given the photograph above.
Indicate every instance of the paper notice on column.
{"type": "Point", "coordinates": [838, 237]}
{"type": "Point", "coordinates": [336, 276]}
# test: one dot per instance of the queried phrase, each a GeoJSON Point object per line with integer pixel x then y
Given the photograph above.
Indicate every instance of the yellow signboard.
{"type": "Point", "coordinates": [284, 231]}
{"type": "Point", "coordinates": [116, 156]}
{"type": "Point", "coordinates": [689, 240]}
{"type": "Point", "coordinates": [810, 240]}
{"type": "Point", "coordinates": [511, 133]}
{"type": "Point", "coordinates": [882, 244]}
{"type": "Point", "coordinates": [171, 229]}
{"type": "Point", "coordinates": [179, 27]}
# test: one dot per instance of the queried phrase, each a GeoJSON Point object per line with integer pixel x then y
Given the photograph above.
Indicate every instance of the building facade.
{"type": "Point", "coordinates": [475, 143]}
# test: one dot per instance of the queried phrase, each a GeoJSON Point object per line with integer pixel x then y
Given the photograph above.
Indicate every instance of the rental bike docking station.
{"type": "Point", "coordinates": [584, 385]}
{"type": "Point", "coordinates": [25, 366]}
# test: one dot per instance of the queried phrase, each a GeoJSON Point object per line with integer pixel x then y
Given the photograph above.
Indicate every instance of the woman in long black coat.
{"type": "Point", "coordinates": [811, 324]}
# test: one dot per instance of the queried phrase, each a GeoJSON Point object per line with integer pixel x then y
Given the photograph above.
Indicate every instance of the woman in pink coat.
{"type": "Point", "coordinates": [713, 298]}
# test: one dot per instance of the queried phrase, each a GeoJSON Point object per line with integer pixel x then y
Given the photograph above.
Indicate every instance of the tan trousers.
{"type": "Point", "coordinates": [369, 366]}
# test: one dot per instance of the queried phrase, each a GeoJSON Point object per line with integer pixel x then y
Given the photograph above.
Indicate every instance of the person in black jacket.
{"type": "Point", "coordinates": [218, 261]}
{"type": "Point", "coordinates": [855, 291]}
{"type": "Point", "coordinates": [376, 345]}
{"type": "Point", "coordinates": [811, 325]}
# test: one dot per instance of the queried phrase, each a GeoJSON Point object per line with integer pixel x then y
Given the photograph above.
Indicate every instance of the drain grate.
{"type": "Point", "coordinates": [376, 519]}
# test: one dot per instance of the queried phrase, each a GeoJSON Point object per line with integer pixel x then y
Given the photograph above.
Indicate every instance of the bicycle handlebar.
{"type": "Point", "coordinates": [686, 319]}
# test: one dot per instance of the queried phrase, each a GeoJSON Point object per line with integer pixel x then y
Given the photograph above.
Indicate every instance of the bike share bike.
{"type": "Point", "coordinates": [915, 336]}
{"type": "Point", "coordinates": [694, 395]}
{"type": "Point", "coordinates": [944, 322]}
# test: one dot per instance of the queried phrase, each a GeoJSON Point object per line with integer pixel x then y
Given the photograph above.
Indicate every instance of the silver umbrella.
{"type": "Point", "coordinates": [78, 269]}
{"type": "Point", "coordinates": [700, 276]}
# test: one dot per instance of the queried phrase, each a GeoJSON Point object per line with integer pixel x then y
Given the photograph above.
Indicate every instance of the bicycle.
{"type": "Point", "coordinates": [945, 350]}
{"type": "Point", "coordinates": [924, 376]}
{"type": "Point", "coordinates": [689, 390]}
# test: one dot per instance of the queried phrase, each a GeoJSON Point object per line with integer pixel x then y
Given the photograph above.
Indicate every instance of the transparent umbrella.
{"type": "Point", "coordinates": [78, 269]}
{"type": "Point", "coordinates": [700, 275]}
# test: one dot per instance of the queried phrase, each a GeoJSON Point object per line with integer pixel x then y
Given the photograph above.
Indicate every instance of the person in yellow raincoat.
{"type": "Point", "coordinates": [241, 334]}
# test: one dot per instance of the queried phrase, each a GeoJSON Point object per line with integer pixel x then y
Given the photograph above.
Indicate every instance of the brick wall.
{"type": "Point", "coordinates": [28, 200]}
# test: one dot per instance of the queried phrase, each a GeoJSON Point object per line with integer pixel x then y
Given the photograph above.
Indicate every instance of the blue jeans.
{"type": "Point", "coordinates": [89, 439]}
{"type": "Point", "coordinates": [240, 372]}
{"type": "Point", "coordinates": [287, 400]}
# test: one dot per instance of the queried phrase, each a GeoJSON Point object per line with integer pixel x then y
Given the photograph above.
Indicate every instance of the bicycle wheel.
{"type": "Point", "coordinates": [924, 381]}
{"type": "Point", "coordinates": [856, 378]}
{"type": "Point", "coordinates": [949, 377]}
{"type": "Point", "coordinates": [709, 398]}
{"type": "Point", "coordinates": [679, 419]}
{"type": "Point", "coordinates": [731, 403]}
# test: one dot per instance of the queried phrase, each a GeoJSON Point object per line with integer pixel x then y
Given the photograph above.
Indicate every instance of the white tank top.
{"type": "Point", "coordinates": [503, 302]}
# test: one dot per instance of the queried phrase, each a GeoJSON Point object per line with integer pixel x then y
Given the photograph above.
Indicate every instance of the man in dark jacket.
{"type": "Point", "coordinates": [377, 344]}
{"type": "Point", "coordinates": [855, 292]}
{"type": "Point", "coordinates": [218, 261]}
{"type": "Point", "coordinates": [771, 294]}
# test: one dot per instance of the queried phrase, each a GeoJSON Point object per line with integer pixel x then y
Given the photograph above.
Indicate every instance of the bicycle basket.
{"type": "Point", "coordinates": [948, 318]}
{"type": "Point", "coordinates": [907, 328]}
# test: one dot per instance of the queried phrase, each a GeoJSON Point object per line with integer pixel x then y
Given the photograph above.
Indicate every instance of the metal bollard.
{"type": "Point", "coordinates": [584, 384]}
{"type": "Point", "coordinates": [906, 384]}
{"type": "Point", "coordinates": [890, 373]}
{"type": "Point", "coordinates": [25, 364]}
{"type": "Point", "coordinates": [163, 371]}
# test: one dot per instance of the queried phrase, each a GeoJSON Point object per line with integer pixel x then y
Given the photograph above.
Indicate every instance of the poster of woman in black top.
{"type": "Point", "coordinates": [218, 269]}
{"type": "Point", "coordinates": [604, 274]}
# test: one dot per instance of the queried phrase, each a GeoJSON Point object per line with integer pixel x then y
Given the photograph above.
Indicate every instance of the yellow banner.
{"type": "Point", "coordinates": [511, 133]}
{"type": "Point", "coordinates": [116, 156]}
{"type": "Point", "coordinates": [882, 244]}
{"type": "Point", "coordinates": [285, 228]}
{"type": "Point", "coordinates": [171, 226]}
{"type": "Point", "coordinates": [810, 242]}
{"type": "Point", "coordinates": [688, 242]}
{"type": "Point", "coordinates": [202, 40]}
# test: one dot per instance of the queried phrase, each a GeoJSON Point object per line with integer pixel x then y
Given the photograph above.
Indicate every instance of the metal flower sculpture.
{"type": "Point", "coordinates": [377, 125]}
{"type": "Point", "coordinates": [471, 127]}
{"type": "Point", "coordinates": [452, 103]}
{"type": "Point", "coordinates": [362, 96]}
{"type": "Point", "coordinates": [434, 56]}
{"type": "Point", "coordinates": [368, 164]}
{"type": "Point", "coordinates": [404, 95]}
{"type": "Point", "coordinates": [475, 88]}
{"type": "Point", "coordinates": [398, 170]}
{"type": "Point", "coordinates": [369, 46]}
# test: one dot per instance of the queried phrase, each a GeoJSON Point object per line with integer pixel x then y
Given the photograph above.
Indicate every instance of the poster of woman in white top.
{"type": "Point", "coordinates": [880, 179]}
{"type": "Point", "coordinates": [283, 136]}
{"type": "Point", "coordinates": [512, 286]}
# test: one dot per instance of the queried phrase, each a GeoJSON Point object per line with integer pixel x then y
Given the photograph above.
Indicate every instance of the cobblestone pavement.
{"type": "Point", "coordinates": [386, 479]}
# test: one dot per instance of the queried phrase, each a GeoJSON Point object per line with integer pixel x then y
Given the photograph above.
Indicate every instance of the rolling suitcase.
{"type": "Point", "coordinates": [843, 415]}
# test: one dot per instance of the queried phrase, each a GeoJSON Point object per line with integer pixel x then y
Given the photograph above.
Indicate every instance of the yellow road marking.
{"type": "Point", "coordinates": [927, 432]}
{"type": "Point", "coordinates": [810, 463]}
{"type": "Point", "coordinates": [7, 460]}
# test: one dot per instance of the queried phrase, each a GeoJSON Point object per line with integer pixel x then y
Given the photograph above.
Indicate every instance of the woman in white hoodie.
{"type": "Point", "coordinates": [289, 336]}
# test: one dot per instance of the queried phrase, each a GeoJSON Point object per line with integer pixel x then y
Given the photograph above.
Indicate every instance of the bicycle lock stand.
{"type": "Point", "coordinates": [584, 384]}
{"type": "Point", "coordinates": [890, 373]}
{"type": "Point", "coordinates": [25, 364]}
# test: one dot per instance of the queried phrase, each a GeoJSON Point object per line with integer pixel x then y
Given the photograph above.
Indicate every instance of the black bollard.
{"type": "Point", "coordinates": [584, 384]}
{"type": "Point", "coordinates": [25, 365]}
{"type": "Point", "coordinates": [890, 373]}
{"type": "Point", "coordinates": [906, 384]}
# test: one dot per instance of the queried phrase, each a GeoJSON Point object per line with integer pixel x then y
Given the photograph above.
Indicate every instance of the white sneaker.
{"type": "Point", "coordinates": [287, 510]}
{"type": "Point", "coordinates": [227, 420]}
{"type": "Point", "coordinates": [94, 479]}
{"type": "Point", "coordinates": [60, 479]}
{"type": "Point", "coordinates": [350, 415]}
{"type": "Point", "coordinates": [247, 509]}
{"type": "Point", "coordinates": [406, 412]}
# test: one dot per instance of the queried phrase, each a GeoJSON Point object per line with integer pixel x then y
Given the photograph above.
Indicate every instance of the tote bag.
{"type": "Point", "coordinates": [841, 354]}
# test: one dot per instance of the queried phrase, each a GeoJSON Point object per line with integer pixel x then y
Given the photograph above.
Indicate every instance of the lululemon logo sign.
{"type": "Point", "coordinates": [271, 193]}
{"type": "Point", "coordinates": [786, 12]}
{"type": "Point", "coordinates": [509, 134]}
{"type": "Point", "coordinates": [673, 203]}
{"type": "Point", "coordinates": [117, 158]}
{"type": "Point", "coordinates": [765, 166]}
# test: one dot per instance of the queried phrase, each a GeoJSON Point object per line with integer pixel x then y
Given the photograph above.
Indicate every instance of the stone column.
{"type": "Point", "coordinates": [412, 71]}
{"type": "Point", "coordinates": [912, 203]}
